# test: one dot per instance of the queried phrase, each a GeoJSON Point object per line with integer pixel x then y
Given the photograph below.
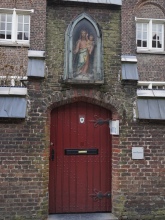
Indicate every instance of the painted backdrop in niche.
{"type": "Point", "coordinates": [84, 51]}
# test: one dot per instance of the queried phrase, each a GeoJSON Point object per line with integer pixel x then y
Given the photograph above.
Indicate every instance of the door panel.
{"type": "Point", "coordinates": [79, 183]}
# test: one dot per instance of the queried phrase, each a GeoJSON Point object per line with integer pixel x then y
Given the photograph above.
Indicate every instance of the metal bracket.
{"type": "Point", "coordinates": [98, 195]}
{"type": "Point", "coordinates": [99, 121]}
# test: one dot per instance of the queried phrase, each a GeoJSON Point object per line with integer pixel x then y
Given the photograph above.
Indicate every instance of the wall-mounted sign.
{"type": "Point", "coordinates": [137, 153]}
{"type": "Point", "coordinates": [114, 127]}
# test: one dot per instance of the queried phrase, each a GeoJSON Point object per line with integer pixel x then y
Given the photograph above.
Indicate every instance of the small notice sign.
{"type": "Point", "coordinates": [137, 153]}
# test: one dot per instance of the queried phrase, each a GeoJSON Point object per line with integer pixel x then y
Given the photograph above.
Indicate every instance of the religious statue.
{"type": "Point", "coordinates": [83, 52]}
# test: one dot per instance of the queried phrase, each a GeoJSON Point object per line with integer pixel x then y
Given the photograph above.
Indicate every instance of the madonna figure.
{"type": "Point", "coordinates": [84, 48]}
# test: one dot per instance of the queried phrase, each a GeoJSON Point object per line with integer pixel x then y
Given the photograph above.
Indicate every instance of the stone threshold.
{"type": "Point", "coordinates": [84, 216]}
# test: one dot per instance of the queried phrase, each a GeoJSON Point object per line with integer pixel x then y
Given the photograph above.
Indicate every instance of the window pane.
{"type": "Point", "coordinates": [9, 18]}
{"type": "Point", "coordinates": [154, 28]}
{"type": "Point", "coordinates": [23, 27]}
{"type": "Point", "coordinates": [160, 28]}
{"type": "Point", "coordinates": [144, 43]}
{"type": "Point", "coordinates": [145, 35]}
{"type": "Point", "coordinates": [157, 30]}
{"type": "Point", "coordinates": [139, 35]}
{"type": "Point", "coordinates": [26, 27]}
{"type": "Point", "coordinates": [139, 42]}
{"type": "Point", "coordinates": [3, 17]}
{"type": "Point", "coordinates": [26, 19]}
{"type": "Point", "coordinates": [159, 45]}
{"type": "Point", "coordinates": [160, 38]}
{"type": "Point", "coordinates": [5, 26]}
{"type": "Point", "coordinates": [2, 26]}
{"type": "Point", "coordinates": [20, 18]}
{"type": "Point", "coordinates": [20, 27]}
{"type": "Point", "coordinates": [154, 36]}
{"type": "Point", "coordinates": [26, 37]}
{"type": "Point", "coordinates": [159, 42]}
{"type": "Point", "coordinates": [8, 26]}
{"type": "Point", "coordinates": [142, 34]}
{"type": "Point", "coordinates": [8, 35]}
{"type": "Point", "coordinates": [19, 36]}
{"type": "Point", "coordinates": [138, 27]}
{"type": "Point", "coordinates": [145, 27]}
{"type": "Point", "coordinates": [154, 44]}
{"type": "Point", "coordinates": [2, 34]}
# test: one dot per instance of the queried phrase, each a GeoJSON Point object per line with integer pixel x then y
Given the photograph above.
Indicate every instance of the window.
{"type": "Point", "coordinates": [150, 34]}
{"type": "Point", "coordinates": [6, 26]}
{"type": "Point", "coordinates": [23, 30]}
{"type": "Point", "coordinates": [14, 27]}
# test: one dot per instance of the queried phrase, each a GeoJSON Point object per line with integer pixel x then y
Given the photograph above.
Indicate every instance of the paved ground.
{"type": "Point", "coordinates": [92, 216]}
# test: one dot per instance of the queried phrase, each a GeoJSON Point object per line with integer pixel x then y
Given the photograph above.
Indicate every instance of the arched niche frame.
{"type": "Point", "coordinates": [83, 51]}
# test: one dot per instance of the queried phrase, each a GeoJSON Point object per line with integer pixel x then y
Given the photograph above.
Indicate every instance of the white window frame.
{"type": "Point", "coordinates": [14, 41]}
{"type": "Point", "coordinates": [150, 22]}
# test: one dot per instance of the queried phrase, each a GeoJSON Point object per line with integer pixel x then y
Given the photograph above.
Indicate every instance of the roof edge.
{"type": "Point", "coordinates": [114, 2]}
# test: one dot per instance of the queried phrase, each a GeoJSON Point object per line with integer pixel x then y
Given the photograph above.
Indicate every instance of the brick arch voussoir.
{"type": "Point", "coordinates": [142, 3]}
{"type": "Point", "coordinates": [100, 99]}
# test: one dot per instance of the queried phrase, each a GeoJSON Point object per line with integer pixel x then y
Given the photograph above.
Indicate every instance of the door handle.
{"type": "Point", "coordinates": [52, 155]}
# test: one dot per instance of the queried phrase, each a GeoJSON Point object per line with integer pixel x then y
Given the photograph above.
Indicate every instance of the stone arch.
{"type": "Point", "coordinates": [104, 100]}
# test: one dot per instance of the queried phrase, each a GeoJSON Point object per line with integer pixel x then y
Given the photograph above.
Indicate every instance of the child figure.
{"type": "Point", "coordinates": [90, 43]}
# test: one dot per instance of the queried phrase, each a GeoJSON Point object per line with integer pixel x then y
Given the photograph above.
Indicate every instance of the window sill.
{"type": "Point", "coordinates": [83, 82]}
{"type": "Point", "coordinates": [22, 91]}
{"type": "Point", "coordinates": [150, 51]}
{"type": "Point", "coordinates": [14, 44]}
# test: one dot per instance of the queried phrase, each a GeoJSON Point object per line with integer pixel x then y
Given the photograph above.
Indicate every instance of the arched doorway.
{"type": "Point", "coordinates": [80, 159]}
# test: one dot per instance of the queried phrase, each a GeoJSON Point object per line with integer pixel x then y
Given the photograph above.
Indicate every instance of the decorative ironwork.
{"type": "Point", "coordinates": [99, 121]}
{"type": "Point", "coordinates": [98, 195]}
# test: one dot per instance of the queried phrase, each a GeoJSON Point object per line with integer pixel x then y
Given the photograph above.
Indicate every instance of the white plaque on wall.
{"type": "Point", "coordinates": [114, 127]}
{"type": "Point", "coordinates": [137, 153]}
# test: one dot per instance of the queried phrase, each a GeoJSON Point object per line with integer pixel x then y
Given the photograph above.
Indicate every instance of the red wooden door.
{"type": "Point", "coordinates": [80, 160]}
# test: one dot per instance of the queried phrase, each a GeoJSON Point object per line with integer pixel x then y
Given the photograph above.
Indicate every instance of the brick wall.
{"type": "Point", "coordinates": [14, 59]}
{"type": "Point", "coordinates": [58, 19]}
{"type": "Point", "coordinates": [152, 67]}
{"type": "Point", "coordinates": [137, 186]}
{"type": "Point", "coordinates": [23, 143]}
{"type": "Point", "coordinates": [38, 19]}
{"type": "Point", "coordinates": [24, 161]}
{"type": "Point", "coordinates": [141, 183]}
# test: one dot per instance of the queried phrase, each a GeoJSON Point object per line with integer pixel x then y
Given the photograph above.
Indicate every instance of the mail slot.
{"type": "Point", "coordinates": [81, 151]}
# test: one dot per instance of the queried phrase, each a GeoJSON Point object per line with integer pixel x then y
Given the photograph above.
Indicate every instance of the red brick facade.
{"type": "Point", "coordinates": [137, 185]}
{"type": "Point", "coordinates": [142, 182]}
{"type": "Point", "coordinates": [23, 182]}
{"type": "Point", "coordinates": [151, 67]}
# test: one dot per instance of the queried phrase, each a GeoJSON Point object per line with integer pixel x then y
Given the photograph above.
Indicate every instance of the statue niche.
{"type": "Point", "coordinates": [83, 52]}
